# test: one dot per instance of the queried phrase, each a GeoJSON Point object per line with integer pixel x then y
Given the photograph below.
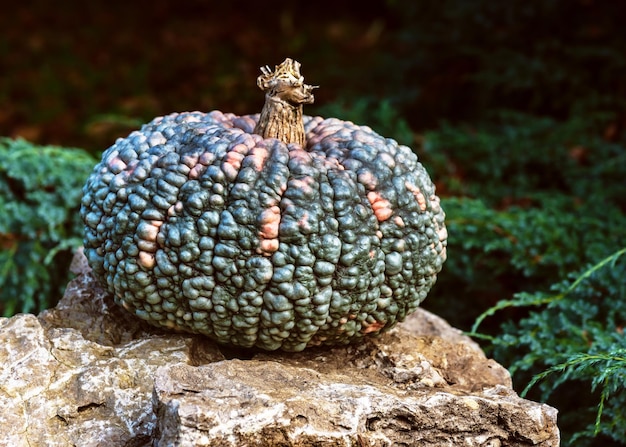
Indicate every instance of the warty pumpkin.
{"type": "Point", "coordinates": [275, 231]}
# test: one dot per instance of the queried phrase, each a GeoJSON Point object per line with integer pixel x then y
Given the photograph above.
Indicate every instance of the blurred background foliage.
{"type": "Point", "coordinates": [517, 109]}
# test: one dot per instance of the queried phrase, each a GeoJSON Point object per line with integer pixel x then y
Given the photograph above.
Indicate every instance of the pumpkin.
{"type": "Point", "coordinates": [275, 231]}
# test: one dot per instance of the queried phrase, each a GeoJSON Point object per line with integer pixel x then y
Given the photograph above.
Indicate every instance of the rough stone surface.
{"type": "Point", "coordinates": [88, 374]}
{"type": "Point", "coordinates": [270, 403]}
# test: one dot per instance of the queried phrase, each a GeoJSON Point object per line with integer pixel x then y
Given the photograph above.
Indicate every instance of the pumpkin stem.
{"type": "Point", "coordinates": [285, 92]}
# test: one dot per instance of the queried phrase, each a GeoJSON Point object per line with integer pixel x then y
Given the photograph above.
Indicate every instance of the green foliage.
{"type": "Point", "coordinates": [551, 200]}
{"type": "Point", "coordinates": [515, 155]}
{"type": "Point", "coordinates": [543, 251]}
{"type": "Point", "coordinates": [607, 371]}
{"type": "Point", "coordinates": [40, 191]}
{"type": "Point", "coordinates": [496, 253]}
{"type": "Point", "coordinates": [576, 335]}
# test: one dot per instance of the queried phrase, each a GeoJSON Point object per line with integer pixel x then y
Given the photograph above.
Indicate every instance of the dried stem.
{"type": "Point", "coordinates": [285, 92]}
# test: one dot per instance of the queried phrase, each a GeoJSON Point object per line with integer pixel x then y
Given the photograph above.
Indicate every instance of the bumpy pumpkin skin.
{"type": "Point", "coordinates": [195, 223]}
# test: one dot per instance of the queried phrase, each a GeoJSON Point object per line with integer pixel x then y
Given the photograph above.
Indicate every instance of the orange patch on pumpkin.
{"type": "Point", "coordinates": [240, 148]}
{"type": "Point", "coordinates": [421, 200]}
{"type": "Point", "coordinates": [152, 230]}
{"type": "Point", "coordinates": [232, 164]}
{"type": "Point", "coordinates": [146, 259]}
{"type": "Point", "coordinates": [442, 233]}
{"type": "Point", "coordinates": [380, 206]}
{"type": "Point", "coordinates": [269, 223]}
{"type": "Point", "coordinates": [190, 160]}
{"type": "Point", "coordinates": [268, 246]}
{"type": "Point", "coordinates": [367, 179]}
{"type": "Point", "coordinates": [116, 165]}
{"type": "Point", "coordinates": [196, 171]}
{"type": "Point", "coordinates": [175, 209]}
{"type": "Point", "coordinates": [303, 184]}
{"type": "Point", "coordinates": [374, 327]}
{"type": "Point", "coordinates": [258, 156]}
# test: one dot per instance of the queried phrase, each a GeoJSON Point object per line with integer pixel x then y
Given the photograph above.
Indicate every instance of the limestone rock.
{"type": "Point", "coordinates": [88, 374]}
{"type": "Point", "coordinates": [269, 403]}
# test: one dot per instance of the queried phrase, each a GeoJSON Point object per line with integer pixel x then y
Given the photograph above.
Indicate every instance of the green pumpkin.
{"type": "Point", "coordinates": [197, 222]}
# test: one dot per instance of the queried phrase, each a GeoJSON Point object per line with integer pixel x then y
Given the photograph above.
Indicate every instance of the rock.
{"type": "Point", "coordinates": [87, 373]}
{"type": "Point", "coordinates": [269, 403]}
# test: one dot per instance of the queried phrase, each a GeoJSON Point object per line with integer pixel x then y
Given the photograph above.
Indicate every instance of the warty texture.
{"type": "Point", "coordinates": [195, 223]}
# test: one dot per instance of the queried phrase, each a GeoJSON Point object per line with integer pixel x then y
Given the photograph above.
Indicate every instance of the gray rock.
{"type": "Point", "coordinates": [88, 374]}
{"type": "Point", "coordinates": [268, 403]}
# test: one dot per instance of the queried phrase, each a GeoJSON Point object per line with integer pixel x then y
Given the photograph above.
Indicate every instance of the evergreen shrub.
{"type": "Point", "coordinates": [536, 217]}
{"type": "Point", "coordinates": [40, 192]}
